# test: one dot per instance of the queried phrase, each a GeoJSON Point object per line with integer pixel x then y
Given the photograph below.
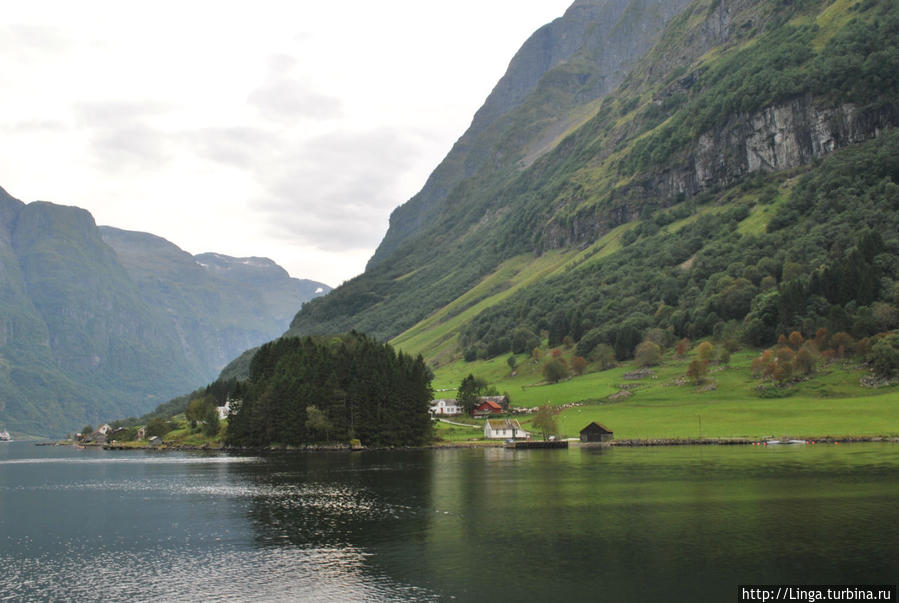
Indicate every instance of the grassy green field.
{"type": "Point", "coordinates": [665, 405]}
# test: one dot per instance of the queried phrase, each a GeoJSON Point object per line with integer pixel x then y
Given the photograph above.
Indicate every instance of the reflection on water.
{"type": "Point", "coordinates": [673, 523]}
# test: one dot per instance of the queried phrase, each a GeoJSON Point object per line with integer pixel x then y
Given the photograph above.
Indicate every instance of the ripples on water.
{"type": "Point", "coordinates": [428, 525]}
{"type": "Point", "coordinates": [207, 558]}
{"type": "Point", "coordinates": [217, 574]}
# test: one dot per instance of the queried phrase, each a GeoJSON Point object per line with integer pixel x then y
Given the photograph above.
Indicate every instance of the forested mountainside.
{"type": "Point", "coordinates": [98, 323]}
{"type": "Point", "coordinates": [740, 180]}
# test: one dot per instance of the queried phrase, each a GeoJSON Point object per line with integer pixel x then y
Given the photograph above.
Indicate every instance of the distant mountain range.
{"type": "Point", "coordinates": [97, 322]}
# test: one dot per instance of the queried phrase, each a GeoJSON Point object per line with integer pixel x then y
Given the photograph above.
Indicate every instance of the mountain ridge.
{"type": "Point", "coordinates": [98, 322]}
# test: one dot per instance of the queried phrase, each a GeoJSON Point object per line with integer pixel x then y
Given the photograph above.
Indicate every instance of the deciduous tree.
{"type": "Point", "coordinates": [554, 371]}
{"type": "Point", "coordinates": [317, 422]}
{"type": "Point", "coordinates": [705, 351]}
{"type": "Point", "coordinates": [604, 355]}
{"type": "Point", "coordinates": [545, 421]}
{"type": "Point", "coordinates": [157, 427]}
{"type": "Point", "coordinates": [697, 370]}
{"type": "Point", "coordinates": [578, 365]}
{"type": "Point", "coordinates": [647, 354]}
{"type": "Point", "coordinates": [211, 423]}
{"type": "Point", "coordinates": [884, 355]}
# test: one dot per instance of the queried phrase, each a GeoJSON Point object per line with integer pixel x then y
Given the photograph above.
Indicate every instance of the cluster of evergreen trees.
{"type": "Point", "coordinates": [321, 389]}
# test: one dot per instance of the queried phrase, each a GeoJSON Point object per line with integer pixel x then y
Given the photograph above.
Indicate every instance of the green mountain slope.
{"type": "Point", "coordinates": [550, 87]}
{"type": "Point", "coordinates": [99, 323]}
{"type": "Point", "coordinates": [737, 170]}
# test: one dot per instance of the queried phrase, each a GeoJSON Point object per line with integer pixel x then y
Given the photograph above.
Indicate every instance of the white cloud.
{"type": "Point", "coordinates": [336, 191]}
{"type": "Point", "coordinates": [282, 129]}
{"type": "Point", "coordinates": [121, 136]}
{"type": "Point", "coordinates": [287, 100]}
{"type": "Point", "coordinates": [242, 147]}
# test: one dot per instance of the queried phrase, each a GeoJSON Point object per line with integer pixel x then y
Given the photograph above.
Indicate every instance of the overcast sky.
{"type": "Point", "coordinates": [286, 129]}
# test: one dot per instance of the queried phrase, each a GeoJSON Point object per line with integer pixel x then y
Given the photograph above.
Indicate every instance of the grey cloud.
{"type": "Point", "coordinates": [130, 146]}
{"type": "Point", "coordinates": [285, 99]}
{"type": "Point", "coordinates": [120, 136]}
{"type": "Point", "coordinates": [336, 192]}
{"type": "Point", "coordinates": [241, 147]}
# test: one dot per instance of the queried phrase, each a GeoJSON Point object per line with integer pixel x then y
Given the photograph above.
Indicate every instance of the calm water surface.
{"type": "Point", "coordinates": [676, 524]}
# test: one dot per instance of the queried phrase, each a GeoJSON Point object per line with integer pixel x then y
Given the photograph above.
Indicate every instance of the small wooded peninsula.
{"type": "Point", "coordinates": [342, 388]}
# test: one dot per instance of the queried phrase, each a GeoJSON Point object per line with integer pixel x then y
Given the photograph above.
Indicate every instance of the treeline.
{"type": "Point", "coordinates": [332, 389]}
{"type": "Point", "coordinates": [829, 258]}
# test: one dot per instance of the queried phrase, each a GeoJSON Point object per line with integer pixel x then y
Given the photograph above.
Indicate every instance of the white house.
{"type": "Point", "coordinates": [104, 429]}
{"type": "Point", "coordinates": [223, 410]}
{"type": "Point", "coordinates": [504, 429]}
{"type": "Point", "coordinates": [445, 407]}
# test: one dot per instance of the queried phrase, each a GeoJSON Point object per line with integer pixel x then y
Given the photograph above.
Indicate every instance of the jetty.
{"type": "Point", "coordinates": [529, 444]}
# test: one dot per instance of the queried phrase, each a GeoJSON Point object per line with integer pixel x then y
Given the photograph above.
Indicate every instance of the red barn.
{"type": "Point", "coordinates": [488, 407]}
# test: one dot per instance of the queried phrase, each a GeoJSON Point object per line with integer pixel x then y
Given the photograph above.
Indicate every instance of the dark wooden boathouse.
{"type": "Point", "coordinates": [596, 432]}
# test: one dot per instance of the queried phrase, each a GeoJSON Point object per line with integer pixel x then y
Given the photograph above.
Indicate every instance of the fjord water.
{"type": "Point", "coordinates": [677, 524]}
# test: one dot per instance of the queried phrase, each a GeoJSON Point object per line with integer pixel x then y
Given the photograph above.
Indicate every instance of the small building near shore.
{"type": "Point", "coordinates": [154, 442]}
{"type": "Point", "coordinates": [142, 433]}
{"type": "Point", "coordinates": [504, 429]}
{"type": "Point", "coordinates": [596, 432]}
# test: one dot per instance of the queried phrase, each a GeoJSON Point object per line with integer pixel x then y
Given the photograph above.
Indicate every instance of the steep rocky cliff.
{"type": "Point", "coordinates": [547, 89]}
{"type": "Point", "coordinates": [775, 138]}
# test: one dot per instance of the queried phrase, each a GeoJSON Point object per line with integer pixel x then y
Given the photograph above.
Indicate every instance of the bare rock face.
{"type": "Point", "coordinates": [778, 137]}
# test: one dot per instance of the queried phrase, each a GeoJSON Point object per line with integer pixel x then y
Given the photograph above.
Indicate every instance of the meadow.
{"type": "Point", "coordinates": [829, 403]}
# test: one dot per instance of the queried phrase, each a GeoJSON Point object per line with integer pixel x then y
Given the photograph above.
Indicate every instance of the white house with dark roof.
{"type": "Point", "coordinates": [504, 429]}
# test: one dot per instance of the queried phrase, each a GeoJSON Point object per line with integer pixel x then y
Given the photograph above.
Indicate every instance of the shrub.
{"type": "Point", "coordinates": [697, 370]}
{"type": "Point", "coordinates": [578, 365]}
{"type": "Point", "coordinates": [884, 355]}
{"type": "Point", "coordinates": [554, 370]}
{"type": "Point", "coordinates": [647, 354]}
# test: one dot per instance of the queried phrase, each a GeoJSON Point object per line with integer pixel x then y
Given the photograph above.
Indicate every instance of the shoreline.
{"type": "Point", "coordinates": [624, 443]}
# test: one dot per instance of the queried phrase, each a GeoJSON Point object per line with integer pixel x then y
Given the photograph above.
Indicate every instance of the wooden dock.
{"type": "Point", "coordinates": [528, 444]}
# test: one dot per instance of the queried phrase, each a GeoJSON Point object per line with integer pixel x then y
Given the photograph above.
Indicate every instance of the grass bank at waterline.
{"type": "Point", "coordinates": [664, 405]}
